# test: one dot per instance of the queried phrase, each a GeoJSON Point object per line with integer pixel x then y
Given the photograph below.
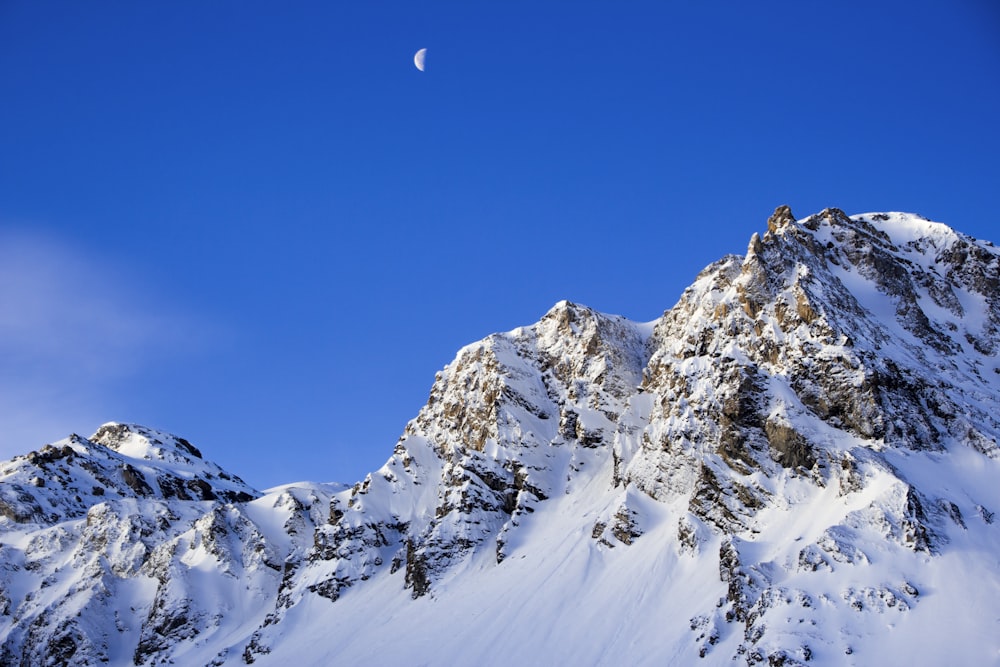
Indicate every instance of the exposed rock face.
{"type": "Point", "coordinates": [796, 434]}
{"type": "Point", "coordinates": [781, 217]}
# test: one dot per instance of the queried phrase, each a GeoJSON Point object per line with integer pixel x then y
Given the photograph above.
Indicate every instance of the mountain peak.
{"type": "Point", "coordinates": [782, 216]}
{"type": "Point", "coordinates": [145, 443]}
{"type": "Point", "coordinates": [64, 480]}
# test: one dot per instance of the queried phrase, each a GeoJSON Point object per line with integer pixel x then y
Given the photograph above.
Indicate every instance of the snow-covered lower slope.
{"type": "Point", "coordinates": [796, 464]}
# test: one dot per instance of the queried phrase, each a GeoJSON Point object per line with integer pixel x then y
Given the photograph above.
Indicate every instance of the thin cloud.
{"type": "Point", "coordinates": [72, 326]}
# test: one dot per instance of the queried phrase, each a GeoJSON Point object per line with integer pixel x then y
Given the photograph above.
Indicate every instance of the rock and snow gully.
{"type": "Point", "coordinates": [796, 464]}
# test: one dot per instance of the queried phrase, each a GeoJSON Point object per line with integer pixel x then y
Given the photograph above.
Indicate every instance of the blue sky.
{"type": "Point", "coordinates": [260, 227]}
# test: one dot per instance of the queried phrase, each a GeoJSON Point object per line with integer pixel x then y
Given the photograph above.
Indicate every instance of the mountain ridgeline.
{"type": "Point", "coordinates": [796, 464]}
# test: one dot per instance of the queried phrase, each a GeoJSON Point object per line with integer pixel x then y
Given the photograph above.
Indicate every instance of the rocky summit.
{"type": "Point", "coordinates": [796, 464]}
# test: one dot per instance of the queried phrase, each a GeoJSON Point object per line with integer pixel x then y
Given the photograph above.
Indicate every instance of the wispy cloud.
{"type": "Point", "coordinates": [72, 326]}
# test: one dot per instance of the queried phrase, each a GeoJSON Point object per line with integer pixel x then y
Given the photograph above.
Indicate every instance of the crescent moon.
{"type": "Point", "coordinates": [418, 59]}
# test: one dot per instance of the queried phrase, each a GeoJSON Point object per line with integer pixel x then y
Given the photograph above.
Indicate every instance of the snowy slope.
{"type": "Point", "coordinates": [795, 464]}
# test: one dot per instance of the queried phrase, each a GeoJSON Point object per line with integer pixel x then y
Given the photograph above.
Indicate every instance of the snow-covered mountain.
{"type": "Point", "coordinates": [796, 464]}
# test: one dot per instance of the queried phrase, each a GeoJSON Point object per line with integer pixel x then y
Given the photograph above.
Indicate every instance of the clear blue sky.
{"type": "Point", "coordinates": [257, 225]}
